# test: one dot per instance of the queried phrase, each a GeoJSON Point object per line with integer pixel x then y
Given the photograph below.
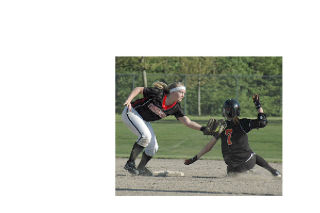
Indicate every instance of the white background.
{"type": "Point", "coordinates": [57, 65]}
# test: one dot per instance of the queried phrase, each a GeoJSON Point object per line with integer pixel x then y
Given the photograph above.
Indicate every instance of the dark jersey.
{"type": "Point", "coordinates": [234, 141]}
{"type": "Point", "coordinates": [152, 107]}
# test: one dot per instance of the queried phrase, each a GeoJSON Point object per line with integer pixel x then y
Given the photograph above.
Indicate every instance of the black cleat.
{"type": "Point", "coordinates": [276, 173]}
{"type": "Point", "coordinates": [145, 172]}
{"type": "Point", "coordinates": [131, 167]}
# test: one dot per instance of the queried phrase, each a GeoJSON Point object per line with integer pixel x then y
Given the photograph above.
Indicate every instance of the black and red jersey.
{"type": "Point", "coordinates": [234, 141]}
{"type": "Point", "coordinates": [152, 106]}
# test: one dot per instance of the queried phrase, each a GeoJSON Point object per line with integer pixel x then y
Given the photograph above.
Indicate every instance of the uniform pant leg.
{"type": "Point", "coordinates": [245, 166]}
{"type": "Point", "coordinates": [261, 162]}
{"type": "Point", "coordinates": [138, 126]}
{"type": "Point", "coordinates": [153, 146]}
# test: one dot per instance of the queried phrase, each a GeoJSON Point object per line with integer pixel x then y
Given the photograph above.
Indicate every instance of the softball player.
{"type": "Point", "coordinates": [158, 102]}
{"type": "Point", "coordinates": [234, 140]}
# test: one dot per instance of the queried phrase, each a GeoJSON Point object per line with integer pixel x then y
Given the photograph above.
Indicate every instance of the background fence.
{"type": "Point", "coordinates": [206, 93]}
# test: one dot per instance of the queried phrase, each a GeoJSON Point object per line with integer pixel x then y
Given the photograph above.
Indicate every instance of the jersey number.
{"type": "Point", "coordinates": [228, 133]}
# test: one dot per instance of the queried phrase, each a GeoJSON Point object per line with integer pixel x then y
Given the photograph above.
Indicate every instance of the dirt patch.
{"type": "Point", "coordinates": [204, 177]}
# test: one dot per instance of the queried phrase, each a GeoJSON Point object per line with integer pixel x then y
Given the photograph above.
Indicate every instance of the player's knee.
{"type": "Point", "coordinates": [151, 152]}
{"type": "Point", "coordinates": [145, 140]}
{"type": "Point", "coordinates": [156, 148]}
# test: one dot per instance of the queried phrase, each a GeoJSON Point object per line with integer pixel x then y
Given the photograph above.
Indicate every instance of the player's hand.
{"type": "Point", "coordinates": [214, 127]}
{"type": "Point", "coordinates": [191, 160]}
{"type": "Point", "coordinates": [208, 130]}
{"type": "Point", "coordinates": [256, 101]}
{"type": "Point", "coordinates": [128, 104]}
{"type": "Point", "coordinates": [205, 130]}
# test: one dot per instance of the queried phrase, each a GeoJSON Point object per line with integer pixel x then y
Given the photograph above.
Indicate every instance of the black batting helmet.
{"type": "Point", "coordinates": [231, 109]}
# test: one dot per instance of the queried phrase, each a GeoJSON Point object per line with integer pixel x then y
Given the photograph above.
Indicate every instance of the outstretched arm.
{"type": "Point", "coordinates": [207, 147]}
{"type": "Point", "coordinates": [256, 101]}
{"type": "Point", "coordinates": [204, 150]}
{"type": "Point", "coordinates": [136, 91]}
{"type": "Point", "coordinates": [261, 120]}
{"type": "Point", "coordinates": [213, 127]}
{"type": "Point", "coordinates": [191, 124]}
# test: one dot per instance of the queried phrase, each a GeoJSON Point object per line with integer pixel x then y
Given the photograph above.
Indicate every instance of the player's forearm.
{"type": "Point", "coordinates": [260, 110]}
{"type": "Point", "coordinates": [256, 101]}
{"type": "Point", "coordinates": [207, 148]}
{"type": "Point", "coordinates": [136, 91]}
{"type": "Point", "coordinates": [191, 124]}
{"type": "Point", "coordinates": [194, 125]}
{"type": "Point", "coordinates": [204, 150]}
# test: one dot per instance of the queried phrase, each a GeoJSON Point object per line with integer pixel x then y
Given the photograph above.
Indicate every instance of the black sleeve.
{"type": "Point", "coordinates": [179, 113]}
{"type": "Point", "coordinates": [260, 122]}
{"type": "Point", "coordinates": [245, 124]}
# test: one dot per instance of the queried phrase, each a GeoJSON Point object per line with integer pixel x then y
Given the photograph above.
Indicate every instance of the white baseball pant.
{"type": "Point", "coordinates": [142, 129]}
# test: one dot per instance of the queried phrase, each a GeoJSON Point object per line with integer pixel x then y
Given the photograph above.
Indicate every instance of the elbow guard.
{"type": "Point", "coordinates": [262, 120]}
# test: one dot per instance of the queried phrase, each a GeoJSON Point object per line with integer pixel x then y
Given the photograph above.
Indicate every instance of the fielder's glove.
{"type": "Point", "coordinates": [256, 101]}
{"type": "Point", "coordinates": [214, 127]}
{"type": "Point", "coordinates": [191, 160]}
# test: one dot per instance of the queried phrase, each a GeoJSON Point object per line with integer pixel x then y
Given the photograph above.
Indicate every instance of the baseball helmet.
{"type": "Point", "coordinates": [231, 109]}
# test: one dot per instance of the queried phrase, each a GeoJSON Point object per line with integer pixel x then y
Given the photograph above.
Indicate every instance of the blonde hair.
{"type": "Point", "coordinates": [236, 120]}
{"type": "Point", "coordinates": [159, 85]}
{"type": "Point", "coordinates": [165, 87]}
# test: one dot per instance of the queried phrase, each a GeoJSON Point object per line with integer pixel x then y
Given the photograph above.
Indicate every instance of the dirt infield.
{"type": "Point", "coordinates": [204, 177]}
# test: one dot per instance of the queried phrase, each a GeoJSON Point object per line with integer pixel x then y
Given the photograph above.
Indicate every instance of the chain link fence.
{"type": "Point", "coordinates": [206, 93]}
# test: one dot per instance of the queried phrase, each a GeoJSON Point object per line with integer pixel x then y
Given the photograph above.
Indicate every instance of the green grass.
{"type": "Point", "coordinates": [177, 141]}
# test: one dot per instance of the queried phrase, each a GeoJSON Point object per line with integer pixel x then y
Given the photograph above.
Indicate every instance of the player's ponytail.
{"type": "Point", "coordinates": [160, 85]}
{"type": "Point", "coordinates": [236, 120]}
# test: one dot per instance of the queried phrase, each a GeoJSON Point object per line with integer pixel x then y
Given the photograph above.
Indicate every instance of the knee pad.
{"type": "Point", "coordinates": [144, 140]}
{"type": "Point", "coordinates": [151, 151]}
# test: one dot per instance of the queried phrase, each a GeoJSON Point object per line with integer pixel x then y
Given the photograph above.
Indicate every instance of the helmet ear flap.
{"type": "Point", "coordinates": [238, 111]}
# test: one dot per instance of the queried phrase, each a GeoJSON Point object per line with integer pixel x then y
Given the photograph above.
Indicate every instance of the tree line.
{"type": "Point", "coordinates": [201, 65]}
{"type": "Point", "coordinates": [212, 78]}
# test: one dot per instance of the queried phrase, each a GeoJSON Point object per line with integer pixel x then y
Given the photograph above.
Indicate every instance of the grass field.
{"type": "Point", "coordinates": [177, 141]}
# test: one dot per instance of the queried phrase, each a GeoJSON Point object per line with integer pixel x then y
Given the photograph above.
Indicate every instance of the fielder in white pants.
{"type": "Point", "coordinates": [142, 129]}
{"type": "Point", "coordinates": [157, 103]}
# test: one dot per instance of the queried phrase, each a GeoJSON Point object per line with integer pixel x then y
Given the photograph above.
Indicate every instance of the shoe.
{"type": "Point", "coordinates": [131, 167]}
{"type": "Point", "coordinates": [145, 172]}
{"type": "Point", "coordinates": [276, 173]}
